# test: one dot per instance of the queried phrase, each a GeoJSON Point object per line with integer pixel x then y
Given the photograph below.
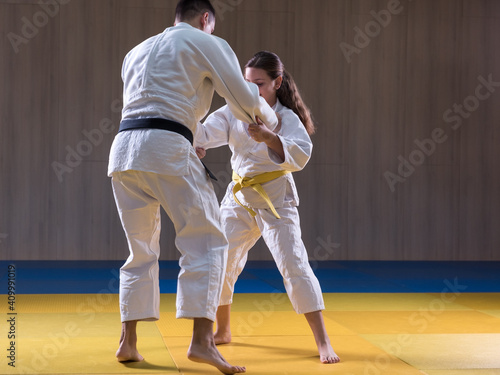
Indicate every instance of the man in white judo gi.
{"type": "Point", "coordinates": [169, 81]}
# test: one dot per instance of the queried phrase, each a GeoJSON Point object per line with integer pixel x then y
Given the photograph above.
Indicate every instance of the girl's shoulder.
{"type": "Point", "coordinates": [288, 115]}
{"type": "Point", "coordinates": [291, 125]}
{"type": "Point", "coordinates": [225, 112]}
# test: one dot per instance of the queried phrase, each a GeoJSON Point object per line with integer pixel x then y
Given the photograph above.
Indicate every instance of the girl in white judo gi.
{"type": "Point", "coordinates": [261, 160]}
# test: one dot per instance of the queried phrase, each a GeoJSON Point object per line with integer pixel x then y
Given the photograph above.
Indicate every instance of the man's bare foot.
{"type": "Point", "coordinates": [203, 349]}
{"type": "Point", "coordinates": [127, 351]}
{"type": "Point", "coordinates": [326, 354]}
{"type": "Point", "coordinates": [126, 355]}
{"type": "Point", "coordinates": [222, 337]}
{"type": "Point", "coordinates": [211, 356]}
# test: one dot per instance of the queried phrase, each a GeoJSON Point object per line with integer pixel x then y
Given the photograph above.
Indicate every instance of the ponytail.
{"type": "Point", "coordinates": [290, 97]}
{"type": "Point", "coordinates": [288, 93]}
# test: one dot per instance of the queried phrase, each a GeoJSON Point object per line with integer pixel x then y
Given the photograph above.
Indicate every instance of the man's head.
{"type": "Point", "coordinates": [198, 13]}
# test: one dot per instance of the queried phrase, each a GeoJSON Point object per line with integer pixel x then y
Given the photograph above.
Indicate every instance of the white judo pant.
{"type": "Point", "coordinates": [191, 204]}
{"type": "Point", "coordinates": [283, 238]}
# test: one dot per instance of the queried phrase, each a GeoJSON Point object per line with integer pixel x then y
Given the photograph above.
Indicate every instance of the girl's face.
{"type": "Point", "coordinates": [267, 86]}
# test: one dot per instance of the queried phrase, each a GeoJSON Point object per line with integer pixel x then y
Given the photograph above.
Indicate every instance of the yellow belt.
{"type": "Point", "coordinates": [255, 183]}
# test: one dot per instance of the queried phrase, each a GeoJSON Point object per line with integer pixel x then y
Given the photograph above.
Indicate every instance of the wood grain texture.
{"type": "Point", "coordinates": [479, 139]}
{"type": "Point", "coordinates": [481, 8]}
{"type": "Point", "coordinates": [429, 194]}
{"type": "Point", "coordinates": [28, 138]}
{"type": "Point", "coordinates": [379, 84]}
{"type": "Point", "coordinates": [325, 89]}
{"type": "Point", "coordinates": [375, 132]}
{"type": "Point", "coordinates": [89, 114]}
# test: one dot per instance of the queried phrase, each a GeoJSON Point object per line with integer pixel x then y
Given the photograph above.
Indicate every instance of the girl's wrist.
{"type": "Point", "coordinates": [270, 138]}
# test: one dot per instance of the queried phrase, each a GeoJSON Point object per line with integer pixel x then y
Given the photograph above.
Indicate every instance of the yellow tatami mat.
{"type": "Point", "coordinates": [68, 343]}
{"type": "Point", "coordinates": [374, 334]}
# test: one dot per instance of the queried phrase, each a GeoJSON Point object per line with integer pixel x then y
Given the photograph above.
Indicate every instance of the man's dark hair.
{"type": "Point", "coordinates": [188, 9]}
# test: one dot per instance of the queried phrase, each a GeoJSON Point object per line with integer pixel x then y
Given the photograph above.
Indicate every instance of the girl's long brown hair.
{"type": "Point", "coordinates": [288, 93]}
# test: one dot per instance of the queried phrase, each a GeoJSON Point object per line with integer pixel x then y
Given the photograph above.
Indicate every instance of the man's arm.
{"type": "Point", "coordinates": [242, 97]}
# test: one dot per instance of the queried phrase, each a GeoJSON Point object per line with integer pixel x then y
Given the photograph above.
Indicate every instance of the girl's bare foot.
{"type": "Point", "coordinates": [223, 325]}
{"type": "Point", "coordinates": [222, 337]}
{"type": "Point", "coordinates": [326, 353]}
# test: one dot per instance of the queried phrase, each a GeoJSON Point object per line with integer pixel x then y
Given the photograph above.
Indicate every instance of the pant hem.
{"type": "Point", "coordinates": [140, 317]}
{"type": "Point", "coordinates": [318, 308]}
{"type": "Point", "coordinates": [193, 315]}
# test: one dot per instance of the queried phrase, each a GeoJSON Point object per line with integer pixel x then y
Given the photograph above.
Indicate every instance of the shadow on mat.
{"type": "Point", "coordinates": [277, 349]}
{"type": "Point", "coordinates": [145, 365]}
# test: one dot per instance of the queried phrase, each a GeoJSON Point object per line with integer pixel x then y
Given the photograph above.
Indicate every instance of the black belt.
{"type": "Point", "coordinates": [163, 124]}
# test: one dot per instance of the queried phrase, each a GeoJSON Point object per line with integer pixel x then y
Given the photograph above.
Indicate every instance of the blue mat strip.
{"type": "Point", "coordinates": [74, 277]}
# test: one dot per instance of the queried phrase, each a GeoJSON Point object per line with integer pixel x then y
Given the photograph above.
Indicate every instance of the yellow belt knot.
{"type": "Point", "coordinates": [255, 183]}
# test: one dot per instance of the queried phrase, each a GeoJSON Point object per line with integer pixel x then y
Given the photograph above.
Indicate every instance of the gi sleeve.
{"type": "Point", "coordinates": [297, 144]}
{"type": "Point", "coordinates": [241, 97]}
{"type": "Point", "coordinates": [214, 131]}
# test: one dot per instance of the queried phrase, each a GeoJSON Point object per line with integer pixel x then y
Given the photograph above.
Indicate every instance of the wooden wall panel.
{"type": "Point", "coordinates": [28, 137]}
{"type": "Point", "coordinates": [375, 130]}
{"type": "Point", "coordinates": [480, 136]}
{"type": "Point", "coordinates": [323, 216]}
{"type": "Point", "coordinates": [429, 192]}
{"type": "Point", "coordinates": [430, 212]}
{"type": "Point", "coordinates": [481, 8]}
{"type": "Point", "coordinates": [89, 113]}
{"type": "Point", "coordinates": [138, 23]}
{"type": "Point", "coordinates": [370, 106]}
{"type": "Point", "coordinates": [433, 76]}
{"type": "Point", "coordinates": [276, 35]}
{"type": "Point", "coordinates": [325, 90]}
{"type": "Point", "coordinates": [367, 7]}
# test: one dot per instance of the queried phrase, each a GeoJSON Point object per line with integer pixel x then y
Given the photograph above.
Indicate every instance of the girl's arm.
{"type": "Point", "coordinates": [295, 141]}
{"type": "Point", "coordinates": [260, 133]}
{"type": "Point", "coordinates": [214, 132]}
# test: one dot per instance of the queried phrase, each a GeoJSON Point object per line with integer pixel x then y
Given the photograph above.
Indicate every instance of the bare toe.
{"type": "Point", "coordinates": [211, 356]}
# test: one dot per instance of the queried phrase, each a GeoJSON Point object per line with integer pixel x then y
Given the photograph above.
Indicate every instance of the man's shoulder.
{"type": "Point", "coordinates": [186, 31]}
{"type": "Point", "coordinates": [143, 44]}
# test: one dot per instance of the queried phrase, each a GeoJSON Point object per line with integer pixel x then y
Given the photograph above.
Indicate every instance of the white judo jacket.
{"type": "Point", "coordinates": [173, 76]}
{"type": "Point", "coordinates": [250, 158]}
